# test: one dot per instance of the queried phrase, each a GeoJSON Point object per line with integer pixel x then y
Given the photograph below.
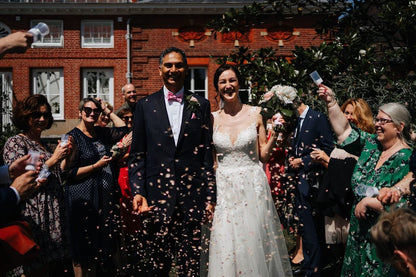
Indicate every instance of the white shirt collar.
{"type": "Point", "coordinates": [303, 115]}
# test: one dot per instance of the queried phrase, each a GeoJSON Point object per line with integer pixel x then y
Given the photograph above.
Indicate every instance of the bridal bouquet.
{"type": "Point", "coordinates": [120, 148]}
{"type": "Point", "coordinates": [278, 102]}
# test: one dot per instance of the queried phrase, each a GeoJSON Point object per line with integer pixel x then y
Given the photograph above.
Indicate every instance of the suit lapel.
{"type": "Point", "coordinates": [186, 114]}
{"type": "Point", "coordinates": [162, 117]}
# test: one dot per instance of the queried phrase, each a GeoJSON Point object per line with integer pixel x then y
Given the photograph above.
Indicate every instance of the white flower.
{"type": "Point", "coordinates": [362, 52]}
{"type": "Point", "coordinates": [285, 93]}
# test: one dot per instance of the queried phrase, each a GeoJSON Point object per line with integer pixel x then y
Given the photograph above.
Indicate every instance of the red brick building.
{"type": "Point", "coordinates": [96, 46]}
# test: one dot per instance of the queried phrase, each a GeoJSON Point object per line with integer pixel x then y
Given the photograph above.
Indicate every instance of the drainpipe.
{"type": "Point", "coordinates": [129, 75]}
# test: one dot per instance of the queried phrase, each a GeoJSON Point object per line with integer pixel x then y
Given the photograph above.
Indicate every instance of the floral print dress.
{"type": "Point", "coordinates": [45, 209]}
{"type": "Point", "coordinates": [360, 255]}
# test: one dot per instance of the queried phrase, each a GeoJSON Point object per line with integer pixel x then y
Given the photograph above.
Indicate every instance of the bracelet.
{"type": "Point", "coordinates": [399, 189]}
{"type": "Point", "coordinates": [92, 167]}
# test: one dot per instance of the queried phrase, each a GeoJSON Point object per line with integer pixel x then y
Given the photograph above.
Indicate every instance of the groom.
{"type": "Point", "coordinates": [171, 170]}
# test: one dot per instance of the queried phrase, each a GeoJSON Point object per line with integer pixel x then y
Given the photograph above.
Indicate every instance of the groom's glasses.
{"type": "Point", "coordinates": [88, 111]}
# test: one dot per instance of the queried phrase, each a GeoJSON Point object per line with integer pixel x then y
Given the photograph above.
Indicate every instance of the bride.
{"type": "Point", "coordinates": [246, 237]}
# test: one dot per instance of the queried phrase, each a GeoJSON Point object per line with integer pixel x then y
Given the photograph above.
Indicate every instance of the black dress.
{"type": "Point", "coordinates": [91, 201]}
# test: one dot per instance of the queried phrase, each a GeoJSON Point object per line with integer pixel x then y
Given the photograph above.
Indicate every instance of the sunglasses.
{"type": "Point", "coordinates": [37, 115]}
{"type": "Point", "coordinates": [88, 111]}
{"type": "Point", "coordinates": [127, 118]}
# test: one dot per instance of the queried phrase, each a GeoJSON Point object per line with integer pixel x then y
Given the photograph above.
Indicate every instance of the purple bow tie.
{"type": "Point", "coordinates": [173, 97]}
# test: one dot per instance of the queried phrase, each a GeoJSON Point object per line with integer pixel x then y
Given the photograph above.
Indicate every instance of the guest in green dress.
{"type": "Point", "coordinates": [383, 161]}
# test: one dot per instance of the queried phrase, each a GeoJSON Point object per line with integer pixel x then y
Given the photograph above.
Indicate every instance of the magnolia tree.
{"type": "Point", "coordinates": [371, 54]}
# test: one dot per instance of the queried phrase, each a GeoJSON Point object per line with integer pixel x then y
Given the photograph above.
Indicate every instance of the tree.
{"type": "Point", "coordinates": [371, 54]}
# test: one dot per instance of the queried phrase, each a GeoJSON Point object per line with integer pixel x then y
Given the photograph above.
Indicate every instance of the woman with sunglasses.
{"type": "Point", "coordinates": [383, 161]}
{"type": "Point", "coordinates": [104, 119]}
{"type": "Point", "coordinates": [44, 210]}
{"type": "Point", "coordinates": [90, 191]}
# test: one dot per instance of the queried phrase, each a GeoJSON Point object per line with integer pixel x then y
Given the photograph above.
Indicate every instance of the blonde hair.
{"type": "Point", "coordinates": [395, 230]}
{"type": "Point", "coordinates": [362, 114]}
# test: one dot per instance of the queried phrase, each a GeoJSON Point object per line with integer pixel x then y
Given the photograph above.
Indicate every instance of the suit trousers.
{"type": "Point", "coordinates": [309, 223]}
{"type": "Point", "coordinates": [162, 242]}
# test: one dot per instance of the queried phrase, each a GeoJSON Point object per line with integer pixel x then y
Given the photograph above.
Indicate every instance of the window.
{"type": "Point", "coordinates": [98, 82]}
{"type": "Point", "coordinates": [197, 81]}
{"type": "Point", "coordinates": [245, 93]}
{"type": "Point", "coordinates": [4, 30]}
{"type": "Point", "coordinates": [97, 34]}
{"type": "Point", "coordinates": [6, 100]}
{"type": "Point", "coordinates": [50, 82]}
{"type": "Point", "coordinates": [55, 38]}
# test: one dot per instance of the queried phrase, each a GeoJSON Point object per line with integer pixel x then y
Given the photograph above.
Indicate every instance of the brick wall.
{"type": "Point", "coordinates": [150, 35]}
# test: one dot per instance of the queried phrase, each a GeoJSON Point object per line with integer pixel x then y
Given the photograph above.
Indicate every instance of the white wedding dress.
{"type": "Point", "coordinates": [246, 237]}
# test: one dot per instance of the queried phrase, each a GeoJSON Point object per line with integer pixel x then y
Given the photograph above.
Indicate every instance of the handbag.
{"type": "Point", "coordinates": [17, 246]}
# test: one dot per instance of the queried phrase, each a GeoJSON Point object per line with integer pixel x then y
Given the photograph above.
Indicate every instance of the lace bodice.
{"type": "Point", "coordinates": [243, 152]}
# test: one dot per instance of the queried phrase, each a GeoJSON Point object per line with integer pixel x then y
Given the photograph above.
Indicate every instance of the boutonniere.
{"type": "Point", "coordinates": [192, 104]}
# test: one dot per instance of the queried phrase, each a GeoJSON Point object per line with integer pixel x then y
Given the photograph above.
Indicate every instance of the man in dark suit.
{"type": "Point", "coordinates": [23, 183]}
{"type": "Point", "coordinates": [171, 170]}
{"type": "Point", "coordinates": [312, 131]}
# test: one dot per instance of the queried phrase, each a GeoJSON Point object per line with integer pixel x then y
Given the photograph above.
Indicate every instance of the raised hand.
{"type": "Point", "coordinates": [326, 94]}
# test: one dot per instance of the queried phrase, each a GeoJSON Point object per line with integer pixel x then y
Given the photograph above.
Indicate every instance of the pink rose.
{"type": "Point", "coordinates": [120, 144]}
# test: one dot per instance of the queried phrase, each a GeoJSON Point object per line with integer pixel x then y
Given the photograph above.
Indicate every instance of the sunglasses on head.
{"type": "Point", "coordinates": [88, 111]}
{"type": "Point", "coordinates": [127, 118]}
{"type": "Point", "coordinates": [37, 115]}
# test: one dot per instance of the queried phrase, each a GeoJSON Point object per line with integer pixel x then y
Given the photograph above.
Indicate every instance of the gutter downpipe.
{"type": "Point", "coordinates": [128, 38]}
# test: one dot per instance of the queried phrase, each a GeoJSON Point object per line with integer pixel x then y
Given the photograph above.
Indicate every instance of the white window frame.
{"type": "Point", "coordinates": [4, 30]}
{"type": "Point", "coordinates": [6, 79]}
{"type": "Point", "coordinates": [110, 73]}
{"type": "Point", "coordinates": [49, 96]}
{"type": "Point", "coordinates": [97, 44]}
{"type": "Point", "coordinates": [191, 73]}
{"type": "Point", "coordinates": [41, 42]}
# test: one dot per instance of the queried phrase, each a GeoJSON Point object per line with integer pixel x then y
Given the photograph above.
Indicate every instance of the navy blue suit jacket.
{"type": "Point", "coordinates": [315, 133]}
{"type": "Point", "coordinates": [168, 175]}
{"type": "Point", "coordinates": [8, 206]}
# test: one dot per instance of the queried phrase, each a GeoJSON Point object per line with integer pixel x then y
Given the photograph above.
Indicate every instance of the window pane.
{"type": "Point", "coordinates": [195, 81]}
{"type": "Point", "coordinates": [99, 84]}
{"type": "Point", "coordinates": [91, 84]}
{"type": "Point", "coordinates": [42, 82]}
{"type": "Point", "coordinates": [49, 82]}
{"type": "Point", "coordinates": [6, 100]}
{"type": "Point", "coordinates": [97, 33]}
{"type": "Point", "coordinates": [55, 36]}
{"type": "Point", "coordinates": [199, 78]}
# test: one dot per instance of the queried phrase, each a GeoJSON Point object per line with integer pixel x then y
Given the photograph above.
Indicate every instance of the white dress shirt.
{"type": "Point", "coordinates": [175, 112]}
